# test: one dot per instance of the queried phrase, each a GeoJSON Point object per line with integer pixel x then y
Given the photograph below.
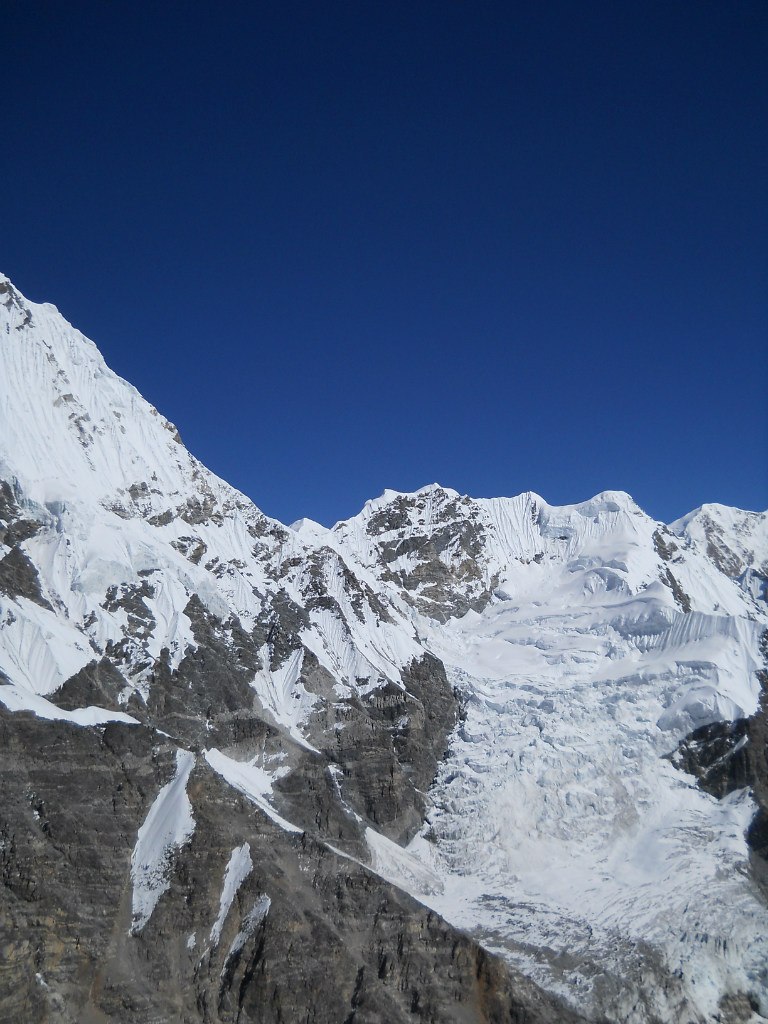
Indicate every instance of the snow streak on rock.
{"type": "Point", "coordinates": [168, 826]}
{"type": "Point", "coordinates": [251, 781]}
{"type": "Point", "coordinates": [239, 867]}
{"type": "Point", "coordinates": [251, 922]}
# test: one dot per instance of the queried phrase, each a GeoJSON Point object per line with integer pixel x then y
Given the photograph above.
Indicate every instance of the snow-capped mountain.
{"type": "Point", "coordinates": [453, 759]}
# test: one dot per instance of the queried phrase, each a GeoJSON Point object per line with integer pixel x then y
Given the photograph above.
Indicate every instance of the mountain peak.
{"type": "Point", "coordinates": [609, 501]}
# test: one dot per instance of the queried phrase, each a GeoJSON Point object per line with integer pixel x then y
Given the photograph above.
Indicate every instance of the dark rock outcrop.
{"type": "Point", "coordinates": [719, 755]}
{"type": "Point", "coordinates": [445, 543]}
{"type": "Point", "coordinates": [725, 756]}
{"type": "Point", "coordinates": [97, 684]}
{"type": "Point", "coordinates": [19, 578]}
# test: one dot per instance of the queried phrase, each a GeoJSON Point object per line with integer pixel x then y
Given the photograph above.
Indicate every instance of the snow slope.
{"type": "Point", "coordinates": [130, 525]}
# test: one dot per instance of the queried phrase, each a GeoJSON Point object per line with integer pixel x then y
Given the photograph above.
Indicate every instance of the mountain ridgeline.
{"type": "Point", "coordinates": [451, 760]}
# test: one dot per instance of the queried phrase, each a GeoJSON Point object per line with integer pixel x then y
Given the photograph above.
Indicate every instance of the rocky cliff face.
{"type": "Point", "coordinates": [255, 922]}
{"type": "Point", "coordinates": [260, 773]}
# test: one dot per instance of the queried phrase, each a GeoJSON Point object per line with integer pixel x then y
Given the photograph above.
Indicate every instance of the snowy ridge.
{"type": "Point", "coordinates": [18, 698]}
{"type": "Point", "coordinates": [131, 525]}
{"type": "Point", "coordinates": [735, 540]}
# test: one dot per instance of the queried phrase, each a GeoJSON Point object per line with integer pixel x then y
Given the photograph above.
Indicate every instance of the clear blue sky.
{"type": "Point", "coordinates": [355, 245]}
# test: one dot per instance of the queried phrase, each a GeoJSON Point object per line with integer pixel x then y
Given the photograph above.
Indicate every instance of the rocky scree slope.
{"type": "Point", "coordinates": [251, 772]}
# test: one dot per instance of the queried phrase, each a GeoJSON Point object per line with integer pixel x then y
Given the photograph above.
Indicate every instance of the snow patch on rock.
{"type": "Point", "coordinates": [252, 781]}
{"type": "Point", "coordinates": [168, 826]}
{"type": "Point", "coordinates": [238, 868]}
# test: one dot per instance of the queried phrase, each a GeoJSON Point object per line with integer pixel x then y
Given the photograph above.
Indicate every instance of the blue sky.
{"type": "Point", "coordinates": [350, 246]}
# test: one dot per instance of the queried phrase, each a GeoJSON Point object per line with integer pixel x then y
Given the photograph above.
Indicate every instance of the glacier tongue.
{"type": "Point", "coordinates": [566, 839]}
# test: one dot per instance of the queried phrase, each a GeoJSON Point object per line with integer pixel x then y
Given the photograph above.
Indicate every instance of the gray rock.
{"type": "Point", "coordinates": [19, 578]}
{"type": "Point", "coordinates": [336, 944]}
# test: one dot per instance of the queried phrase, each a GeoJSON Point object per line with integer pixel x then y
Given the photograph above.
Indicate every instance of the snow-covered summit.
{"type": "Point", "coordinates": [736, 540]}
{"type": "Point", "coordinates": [95, 438]}
{"type": "Point", "coordinates": [450, 553]}
{"type": "Point", "coordinates": [311, 530]}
